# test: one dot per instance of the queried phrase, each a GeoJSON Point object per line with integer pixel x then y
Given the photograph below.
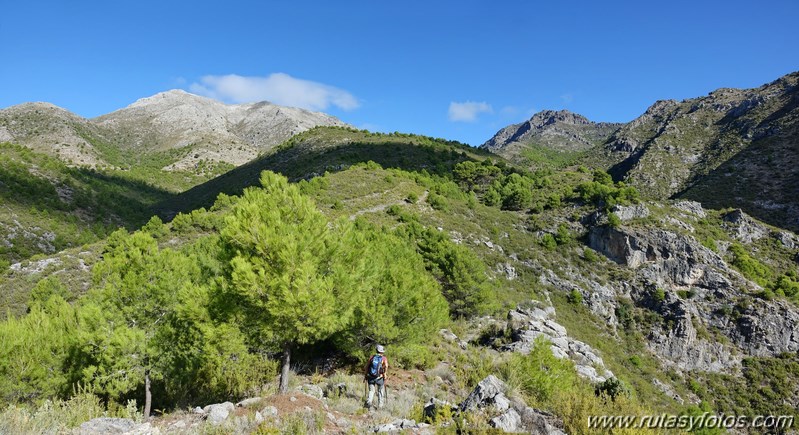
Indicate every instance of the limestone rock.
{"type": "Point", "coordinates": [787, 239]}
{"type": "Point", "coordinates": [106, 425]}
{"type": "Point", "coordinates": [144, 429]}
{"type": "Point", "coordinates": [744, 228]}
{"type": "Point", "coordinates": [312, 390]}
{"type": "Point", "coordinates": [510, 421]}
{"type": "Point", "coordinates": [507, 270]}
{"type": "Point", "coordinates": [448, 335]}
{"type": "Point", "coordinates": [630, 212]}
{"type": "Point", "coordinates": [489, 391]}
{"type": "Point", "coordinates": [529, 323]}
{"type": "Point", "coordinates": [219, 412]}
{"type": "Point", "coordinates": [673, 263]}
{"type": "Point", "coordinates": [514, 415]}
{"type": "Point", "coordinates": [538, 422]}
{"type": "Point", "coordinates": [692, 207]}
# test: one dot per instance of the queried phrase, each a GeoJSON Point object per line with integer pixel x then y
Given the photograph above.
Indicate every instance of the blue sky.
{"type": "Point", "coordinates": [454, 69]}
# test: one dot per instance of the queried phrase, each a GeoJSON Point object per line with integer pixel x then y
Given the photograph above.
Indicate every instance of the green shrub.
{"type": "Point", "coordinates": [575, 297]}
{"type": "Point", "coordinates": [394, 210]}
{"type": "Point", "coordinates": [749, 266]}
{"type": "Point", "coordinates": [624, 313]}
{"type": "Point", "coordinates": [612, 389]}
{"type": "Point", "coordinates": [436, 201]}
{"type": "Point", "coordinates": [613, 220]}
{"type": "Point", "coordinates": [539, 374]}
{"type": "Point", "coordinates": [47, 288]}
{"type": "Point", "coordinates": [563, 235]}
{"type": "Point", "coordinates": [548, 242]}
{"type": "Point", "coordinates": [659, 295]}
{"type": "Point", "coordinates": [461, 273]}
{"type": "Point", "coordinates": [155, 227]}
{"type": "Point", "coordinates": [787, 286]}
{"type": "Point", "coordinates": [709, 243]}
{"type": "Point", "coordinates": [590, 255]}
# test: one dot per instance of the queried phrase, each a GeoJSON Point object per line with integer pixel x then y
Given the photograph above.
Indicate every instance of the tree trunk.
{"type": "Point", "coordinates": [284, 373]}
{"type": "Point", "coordinates": [148, 396]}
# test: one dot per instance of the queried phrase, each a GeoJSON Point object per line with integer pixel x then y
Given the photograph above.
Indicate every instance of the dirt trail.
{"type": "Point", "coordinates": [383, 207]}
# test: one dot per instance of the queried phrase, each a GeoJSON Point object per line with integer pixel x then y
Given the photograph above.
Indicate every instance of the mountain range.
{"type": "Point", "coordinates": [731, 148]}
{"type": "Point", "coordinates": [657, 258]}
{"type": "Point", "coordinates": [187, 127]}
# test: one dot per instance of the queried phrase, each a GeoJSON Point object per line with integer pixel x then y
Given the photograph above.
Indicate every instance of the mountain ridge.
{"type": "Point", "coordinates": [202, 128]}
{"type": "Point", "coordinates": [560, 131]}
{"type": "Point", "coordinates": [709, 148]}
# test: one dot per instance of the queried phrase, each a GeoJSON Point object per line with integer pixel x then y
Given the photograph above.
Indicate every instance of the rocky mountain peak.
{"type": "Point", "coordinates": [170, 99]}
{"type": "Point", "coordinates": [560, 130]}
{"type": "Point", "coordinates": [551, 117]}
{"type": "Point", "coordinates": [203, 129]}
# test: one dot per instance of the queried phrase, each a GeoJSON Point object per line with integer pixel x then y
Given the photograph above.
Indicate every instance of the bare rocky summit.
{"type": "Point", "coordinates": [202, 128]}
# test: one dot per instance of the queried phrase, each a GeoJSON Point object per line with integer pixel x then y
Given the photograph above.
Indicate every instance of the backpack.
{"type": "Point", "coordinates": [376, 367]}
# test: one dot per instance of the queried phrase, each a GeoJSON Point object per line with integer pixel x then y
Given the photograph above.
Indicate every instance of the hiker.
{"type": "Point", "coordinates": [376, 377]}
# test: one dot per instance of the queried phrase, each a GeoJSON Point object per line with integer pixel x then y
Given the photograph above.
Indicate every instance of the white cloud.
{"type": "Point", "coordinates": [278, 88]}
{"type": "Point", "coordinates": [567, 98]}
{"type": "Point", "coordinates": [468, 111]}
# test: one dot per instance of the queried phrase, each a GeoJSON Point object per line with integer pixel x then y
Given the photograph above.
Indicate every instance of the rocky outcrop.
{"type": "Point", "coordinates": [511, 415]}
{"type": "Point", "coordinates": [693, 208]}
{"type": "Point", "coordinates": [681, 347]}
{"type": "Point", "coordinates": [488, 392]}
{"type": "Point", "coordinates": [109, 426]}
{"type": "Point", "coordinates": [743, 227]}
{"type": "Point", "coordinates": [767, 328]}
{"type": "Point", "coordinates": [528, 324]}
{"type": "Point", "coordinates": [693, 290]}
{"type": "Point", "coordinates": [668, 256]}
{"type": "Point", "coordinates": [630, 212]}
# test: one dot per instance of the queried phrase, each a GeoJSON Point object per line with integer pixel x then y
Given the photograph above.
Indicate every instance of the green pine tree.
{"type": "Point", "coordinates": [123, 317]}
{"type": "Point", "coordinates": [297, 278]}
